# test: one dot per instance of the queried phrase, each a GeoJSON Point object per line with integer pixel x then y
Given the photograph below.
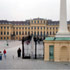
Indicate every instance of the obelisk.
{"type": "Point", "coordinates": [63, 29]}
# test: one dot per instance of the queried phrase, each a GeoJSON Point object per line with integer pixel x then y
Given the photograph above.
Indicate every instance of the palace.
{"type": "Point", "coordinates": [38, 27]}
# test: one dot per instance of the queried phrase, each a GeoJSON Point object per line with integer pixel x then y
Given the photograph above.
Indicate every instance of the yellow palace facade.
{"type": "Point", "coordinates": [38, 27]}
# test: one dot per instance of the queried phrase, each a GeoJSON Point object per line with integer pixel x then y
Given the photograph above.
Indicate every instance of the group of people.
{"type": "Point", "coordinates": [4, 52]}
{"type": "Point", "coordinates": [18, 53]}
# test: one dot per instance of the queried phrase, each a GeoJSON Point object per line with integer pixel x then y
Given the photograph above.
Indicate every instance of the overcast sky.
{"type": "Point", "coordinates": [29, 9]}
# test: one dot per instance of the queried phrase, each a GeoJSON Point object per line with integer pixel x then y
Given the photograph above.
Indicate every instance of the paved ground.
{"type": "Point", "coordinates": [16, 63]}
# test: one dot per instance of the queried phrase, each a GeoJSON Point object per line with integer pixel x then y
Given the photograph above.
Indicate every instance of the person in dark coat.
{"type": "Point", "coordinates": [19, 52]}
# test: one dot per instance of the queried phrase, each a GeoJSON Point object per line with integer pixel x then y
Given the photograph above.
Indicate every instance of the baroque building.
{"type": "Point", "coordinates": [38, 27]}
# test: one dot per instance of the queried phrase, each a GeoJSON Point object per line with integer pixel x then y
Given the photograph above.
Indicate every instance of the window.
{"type": "Point", "coordinates": [38, 27]}
{"type": "Point", "coordinates": [19, 33]}
{"type": "Point", "coordinates": [41, 21]}
{"type": "Point", "coordinates": [25, 33]}
{"type": "Point", "coordinates": [34, 33]}
{"type": "Point", "coordinates": [13, 33]}
{"type": "Point", "coordinates": [47, 33]}
{"type": "Point", "coordinates": [4, 37]}
{"type": "Point", "coordinates": [41, 27]}
{"type": "Point", "coordinates": [53, 33]}
{"type": "Point", "coordinates": [4, 33]}
{"type": "Point", "coordinates": [16, 33]}
{"type": "Point", "coordinates": [38, 33]}
{"type": "Point", "coordinates": [28, 27]}
{"type": "Point", "coordinates": [7, 37]}
{"type": "Point", "coordinates": [34, 27]}
{"type": "Point", "coordinates": [25, 27]}
{"type": "Point", "coordinates": [1, 33]}
{"type": "Point", "coordinates": [44, 21]}
{"type": "Point", "coordinates": [41, 33]}
{"type": "Point", "coordinates": [4, 27]}
{"type": "Point", "coordinates": [1, 27]}
{"type": "Point", "coordinates": [7, 27]}
{"type": "Point", "coordinates": [31, 27]}
{"type": "Point", "coordinates": [22, 27]}
{"type": "Point", "coordinates": [50, 33]}
{"type": "Point", "coordinates": [38, 21]}
{"type": "Point", "coordinates": [22, 33]}
{"type": "Point", "coordinates": [28, 33]}
{"type": "Point", "coordinates": [16, 27]}
{"type": "Point", "coordinates": [44, 27]}
{"type": "Point", "coordinates": [34, 21]}
{"type": "Point", "coordinates": [44, 33]}
{"type": "Point", "coordinates": [7, 33]}
{"type": "Point", "coordinates": [1, 37]}
{"type": "Point", "coordinates": [47, 28]}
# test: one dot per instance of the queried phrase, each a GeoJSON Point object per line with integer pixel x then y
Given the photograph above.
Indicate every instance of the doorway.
{"type": "Point", "coordinates": [51, 52]}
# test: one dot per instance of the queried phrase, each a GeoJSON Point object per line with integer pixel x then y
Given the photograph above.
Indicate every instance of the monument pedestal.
{"type": "Point", "coordinates": [63, 34]}
{"type": "Point", "coordinates": [57, 49]}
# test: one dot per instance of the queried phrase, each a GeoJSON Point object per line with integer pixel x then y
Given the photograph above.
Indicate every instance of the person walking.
{"type": "Point", "coordinates": [19, 52]}
{"type": "Point", "coordinates": [0, 55]}
{"type": "Point", "coordinates": [4, 52]}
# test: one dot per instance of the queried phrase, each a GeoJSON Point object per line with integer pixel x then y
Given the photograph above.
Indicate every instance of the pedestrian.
{"type": "Point", "coordinates": [19, 52]}
{"type": "Point", "coordinates": [4, 52]}
{"type": "Point", "coordinates": [0, 55]}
